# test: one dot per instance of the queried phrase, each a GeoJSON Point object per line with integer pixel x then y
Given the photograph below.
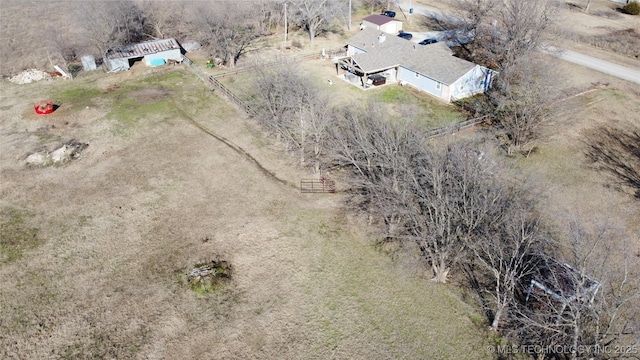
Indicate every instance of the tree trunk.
{"type": "Point", "coordinates": [440, 273]}
{"type": "Point", "coordinates": [312, 34]}
{"type": "Point", "coordinates": [496, 319]}
{"type": "Point", "coordinates": [302, 137]}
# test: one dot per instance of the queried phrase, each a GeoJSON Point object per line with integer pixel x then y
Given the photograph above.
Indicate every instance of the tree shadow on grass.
{"type": "Point", "coordinates": [616, 151]}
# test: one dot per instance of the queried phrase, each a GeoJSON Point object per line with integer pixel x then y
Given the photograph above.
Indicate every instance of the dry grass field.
{"type": "Point", "coordinates": [101, 244]}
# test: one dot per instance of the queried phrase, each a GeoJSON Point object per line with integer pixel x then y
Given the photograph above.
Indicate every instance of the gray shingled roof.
{"type": "Point", "coordinates": [379, 19]}
{"type": "Point", "coordinates": [434, 60]}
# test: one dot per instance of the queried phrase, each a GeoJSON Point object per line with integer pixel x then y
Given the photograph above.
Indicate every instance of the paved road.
{"type": "Point", "coordinates": [591, 62]}
{"type": "Point", "coordinates": [607, 67]}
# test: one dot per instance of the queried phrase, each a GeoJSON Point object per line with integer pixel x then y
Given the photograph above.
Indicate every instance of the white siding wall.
{"type": "Point", "coordinates": [352, 50]}
{"type": "Point", "coordinates": [370, 25]}
{"type": "Point", "coordinates": [392, 27]}
{"type": "Point", "coordinates": [421, 82]}
{"type": "Point", "coordinates": [475, 81]}
{"type": "Point", "coordinates": [173, 54]}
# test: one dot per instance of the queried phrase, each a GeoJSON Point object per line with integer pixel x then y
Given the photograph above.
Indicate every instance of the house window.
{"type": "Point", "coordinates": [438, 86]}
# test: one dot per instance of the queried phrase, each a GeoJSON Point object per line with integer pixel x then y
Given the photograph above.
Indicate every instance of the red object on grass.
{"type": "Point", "coordinates": [43, 107]}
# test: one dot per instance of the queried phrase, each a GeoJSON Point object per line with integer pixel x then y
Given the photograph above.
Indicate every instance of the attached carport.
{"type": "Point", "coordinates": [363, 67]}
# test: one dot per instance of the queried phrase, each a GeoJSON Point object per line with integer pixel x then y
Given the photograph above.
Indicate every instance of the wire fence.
{"type": "Point", "coordinates": [215, 84]}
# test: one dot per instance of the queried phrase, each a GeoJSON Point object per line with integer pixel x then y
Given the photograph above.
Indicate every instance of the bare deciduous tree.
{"type": "Point", "coordinates": [505, 36]}
{"type": "Point", "coordinates": [311, 15]}
{"type": "Point", "coordinates": [441, 200]}
{"type": "Point", "coordinates": [111, 23]}
{"type": "Point", "coordinates": [164, 19]}
{"type": "Point", "coordinates": [522, 25]}
{"type": "Point", "coordinates": [504, 252]}
{"type": "Point", "coordinates": [227, 28]}
{"type": "Point", "coordinates": [378, 153]}
{"type": "Point", "coordinates": [522, 99]}
{"type": "Point", "coordinates": [295, 110]}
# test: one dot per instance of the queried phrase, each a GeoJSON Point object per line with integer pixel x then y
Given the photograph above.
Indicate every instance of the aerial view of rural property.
{"type": "Point", "coordinates": [320, 179]}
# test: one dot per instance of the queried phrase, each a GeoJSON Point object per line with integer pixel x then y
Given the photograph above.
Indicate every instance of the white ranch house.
{"type": "Point", "coordinates": [375, 58]}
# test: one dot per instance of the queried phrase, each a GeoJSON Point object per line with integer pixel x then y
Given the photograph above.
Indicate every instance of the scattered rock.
{"type": "Point", "coordinates": [208, 277]}
{"type": "Point", "coordinates": [29, 76]}
{"type": "Point", "coordinates": [68, 151]}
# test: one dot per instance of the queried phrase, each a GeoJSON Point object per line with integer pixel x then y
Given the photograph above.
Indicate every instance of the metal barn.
{"type": "Point", "coordinates": [151, 52]}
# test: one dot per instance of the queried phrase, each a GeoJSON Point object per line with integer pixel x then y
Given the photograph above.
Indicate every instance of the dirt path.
{"type": "Point", "coordinates": [235, 148]}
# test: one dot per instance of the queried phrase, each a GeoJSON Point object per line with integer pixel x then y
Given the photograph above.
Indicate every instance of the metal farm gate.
{"type": "Point", "coordinates": [322, 185]}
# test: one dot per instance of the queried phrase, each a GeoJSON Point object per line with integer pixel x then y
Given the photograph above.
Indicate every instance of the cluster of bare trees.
{"type": "Point", "coordinates": [506, 36]}
{"type": "Point", "coordinates": [111, 23]}
{"type": "Point", "coordinates": [472, 219]}
{"type": "Point", "coordinates": [295, 111]}
{"type": "Point", "coordinates": [227, 29]}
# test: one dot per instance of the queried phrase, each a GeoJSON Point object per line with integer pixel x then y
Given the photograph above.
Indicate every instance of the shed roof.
{"type": "Point", "coordinates": [434, 61]}
{"type": "Point", "coordinates": [379, 19]}
{"type": "Point", "coordinates": [142, 49]}
{"type": "Point", "coordinates": [563, 282]}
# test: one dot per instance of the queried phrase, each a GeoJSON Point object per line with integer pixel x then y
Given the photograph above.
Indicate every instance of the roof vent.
{"type": "Point", "coordinates": [381, 38]}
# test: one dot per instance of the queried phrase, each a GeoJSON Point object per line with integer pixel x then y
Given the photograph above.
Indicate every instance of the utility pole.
{"type": "Point", "coordinates": [286, 24]}
{"type": "Point", "coordinates": [410, 14]}
{"type": "Point", "coordinates": [349, 27]}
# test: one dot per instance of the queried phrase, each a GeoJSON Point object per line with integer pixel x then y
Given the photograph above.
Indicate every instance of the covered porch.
{"type": "Point", "coordinates": [364, 77]}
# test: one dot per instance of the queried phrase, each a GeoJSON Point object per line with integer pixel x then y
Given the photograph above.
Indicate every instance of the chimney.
{"type": "Point", "coordinates": [381, 38]}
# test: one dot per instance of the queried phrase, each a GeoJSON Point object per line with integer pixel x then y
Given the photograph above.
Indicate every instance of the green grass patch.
{"type": "Point", "coordinates": [129, 113]}
{"type": "Point", "coordinates": [16, 235]}
{"type": "Point", "coordinates": [75, 96]}
{"type": "Point", "coordinates": [133, 102]}
{"type": "Point", "coordinates": [394, 94]}
{"type": "Point", "coordinates": [406, 101]}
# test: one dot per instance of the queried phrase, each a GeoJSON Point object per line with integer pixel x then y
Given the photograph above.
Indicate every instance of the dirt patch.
{"type": "Point", "coordinates": [149, 95]}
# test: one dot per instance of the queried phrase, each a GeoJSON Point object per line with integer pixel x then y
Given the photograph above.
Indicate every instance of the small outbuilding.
{"type": "Point", "coordinates": [382, 23]}
{"type": "Point", "coordinates": [153, 53]}
{"type": "Point", "coordinates": [88, 63]}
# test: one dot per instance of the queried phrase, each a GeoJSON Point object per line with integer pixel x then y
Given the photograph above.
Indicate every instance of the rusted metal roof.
{"type": "Point", "coordinates": [142, 49]}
